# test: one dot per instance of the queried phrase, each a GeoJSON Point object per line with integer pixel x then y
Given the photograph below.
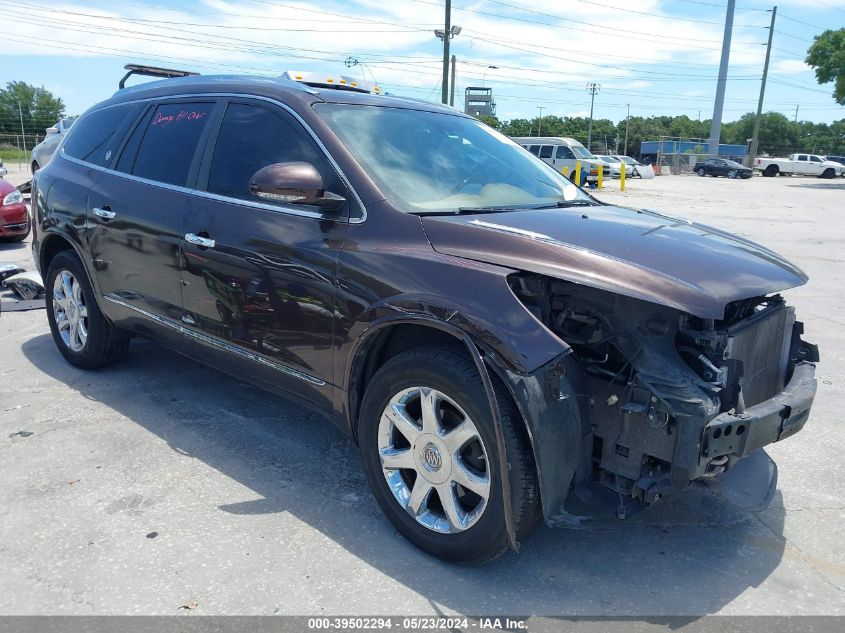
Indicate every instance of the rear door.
{"type": "Point", "coordinates": [262, 288]}
{"type": "Point", "coordinates": [138, 211]}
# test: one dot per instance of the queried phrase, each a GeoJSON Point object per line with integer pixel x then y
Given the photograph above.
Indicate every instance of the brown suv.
{"type": "Point", "coordinates": [503, 347]}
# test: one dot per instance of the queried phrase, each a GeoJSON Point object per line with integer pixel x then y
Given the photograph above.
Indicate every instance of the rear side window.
{"type": "Point", "coordinates": [97, 135]}
{"type": "Point", "coordinates": [170, 142]}
{"type": "Point", "coordinates": [534, 149]}
{"type": "Point", "coordinates": [546, 151]}
{"type": "Point", "coordinates": [252, 137]}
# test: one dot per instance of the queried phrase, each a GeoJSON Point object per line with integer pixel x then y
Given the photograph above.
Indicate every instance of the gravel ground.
{"type": "Point", "coordinates": [162, 487]}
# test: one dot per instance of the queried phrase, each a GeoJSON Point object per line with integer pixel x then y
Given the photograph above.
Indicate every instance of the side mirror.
{"type": "Point", "coordinates": [293, 183]}
{"type": "Point", "coordinates": [52, 130]}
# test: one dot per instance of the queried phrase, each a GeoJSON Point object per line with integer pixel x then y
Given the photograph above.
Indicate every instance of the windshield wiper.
{"type": "Point", "coordinates": [562, 204]}
{"type": "Point", "coordinates": [471, 210]}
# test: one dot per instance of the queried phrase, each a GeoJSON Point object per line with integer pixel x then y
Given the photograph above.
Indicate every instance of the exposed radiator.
{"type": "Point", "coordinates": [761, 342]}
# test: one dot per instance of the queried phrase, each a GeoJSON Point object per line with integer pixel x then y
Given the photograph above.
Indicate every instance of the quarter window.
{"type": "Point", "coordinates": [170, 142]}
{"type": "Point", "coordinates": [252, 137]}
{"type": "Point", "coordinates": [98, 134]}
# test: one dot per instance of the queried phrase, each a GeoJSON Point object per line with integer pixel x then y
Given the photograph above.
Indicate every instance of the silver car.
{"type": "Point", "coordinates": [43, 152]}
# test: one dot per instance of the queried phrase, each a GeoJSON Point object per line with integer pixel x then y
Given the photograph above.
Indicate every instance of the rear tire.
{"type": "Point", "coordinates": [83, 335]}
{"type": "Point", "coordinates": [447, 376]}
{"type": "Point", "coordinates": [771, 170]}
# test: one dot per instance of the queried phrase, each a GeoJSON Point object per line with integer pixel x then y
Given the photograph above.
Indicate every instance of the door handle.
{"type": "Point", "coordinates": [202, 242]}
{"type": "Point", "coordinates": [104, 213]}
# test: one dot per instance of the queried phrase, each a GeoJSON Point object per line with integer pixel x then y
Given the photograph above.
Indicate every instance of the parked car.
{"type": "Point", "coordinates": [637, 168]}
{"type": "Point", "coordinates": [565, 153]}
{"type": "Point", "coordinates": [835, 159]}
{"type": "Point", "coordinates": [616, 165]}
{"type": "Point", "coordinates": [503, 347]}
{"type": "Point", "coordinates": [722, 167]}
{"type": "Point", "coordinates": [799, 164]}
{"type": "Point", "coordinates": [14, 217]}
{"type": "Point", "coordinates": [43, 152]}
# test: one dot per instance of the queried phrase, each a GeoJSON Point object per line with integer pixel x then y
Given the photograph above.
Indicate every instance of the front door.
{"type": "Point", "coordinates": [259, 276]}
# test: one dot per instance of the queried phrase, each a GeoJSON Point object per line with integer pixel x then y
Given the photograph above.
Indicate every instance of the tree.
{"type": "Point", "coordinates": [827, 56]}
{"type": "Point", "coordinates": [39, 107]}
{"type": "Point", "coordinates": [489, 119]}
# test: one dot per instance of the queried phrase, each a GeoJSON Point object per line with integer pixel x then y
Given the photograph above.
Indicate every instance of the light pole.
{"type": "Point", "coordinates": [446, 34]}
{"type": "Point", "coordinates": [627, 120]}
{"type": "Point", "coordinates": [539, 119]}
{"type": "Point", "coordinates": [484, 77]}
{"type": "Point", "coordinates": [592, 88]}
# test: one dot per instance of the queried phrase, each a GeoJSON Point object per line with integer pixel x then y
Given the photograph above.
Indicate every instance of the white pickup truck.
{"type": "Point", "coordinates": [800, 164]}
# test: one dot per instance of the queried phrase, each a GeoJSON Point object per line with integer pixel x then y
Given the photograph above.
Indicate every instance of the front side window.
{"type": "Point", "coordinates": [252, 137]}
{"type": "Point", "coordinates": [815, 159]}
{"type": "Point", "coordinates": [170, 142]}
{"type": "Point", "coordinates": [438, 162]}
{"type": "Point", "coordinates": [564, 152]}
{"type": "Point", "coordinates": [98, 134]}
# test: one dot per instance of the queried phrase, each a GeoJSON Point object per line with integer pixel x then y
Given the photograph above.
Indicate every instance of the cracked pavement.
{"type": "Point", "coordinates": [161, 487]}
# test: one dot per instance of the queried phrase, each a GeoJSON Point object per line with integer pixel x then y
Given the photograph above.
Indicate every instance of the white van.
{"type": "Point", "coordinates": [563, 153]}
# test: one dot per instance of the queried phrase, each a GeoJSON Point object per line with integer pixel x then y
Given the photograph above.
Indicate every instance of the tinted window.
{"type": "Point", "coordinates": [546, 151]}
{"type": "Point", "coordinates": [252, 137]}
{"type": "Point", "coordinates": [98, 134]}
{"type": "Point", "coordinates": [170, 141]}
{"type": "Point", "coordinates": [564, 152]}
{"type": "Point", "coordinates": [534, 149]}
{"type": "Point", "coordinates": [815, 159]}
{"type": "Point", "coordinates": [127, 156]}
{"type": "Point", "coordinates": [802, 157]}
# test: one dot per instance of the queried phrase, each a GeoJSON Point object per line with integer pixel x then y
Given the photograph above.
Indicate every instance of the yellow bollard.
{"type": "Point", "coordinates": [622, 177]}
{"type": "Point", "coordinates": [578, 172]}
{"type": "Point", "coordinates": [600, 175]}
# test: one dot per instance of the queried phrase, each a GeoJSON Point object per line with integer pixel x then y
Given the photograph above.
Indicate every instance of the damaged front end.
{"type": "Point", "coordinates": [666, 399]}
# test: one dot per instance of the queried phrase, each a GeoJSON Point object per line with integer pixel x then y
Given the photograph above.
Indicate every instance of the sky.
{"type": "Point", "coordinates": [658, 57]}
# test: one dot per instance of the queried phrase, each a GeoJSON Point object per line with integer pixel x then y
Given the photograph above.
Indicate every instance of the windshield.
{"type": "Point", "coordinates": [609, 159]}
{"type": "Point", "coordinates": [437, 162]}
{"type": "Point", "coordinates": [581, 152]}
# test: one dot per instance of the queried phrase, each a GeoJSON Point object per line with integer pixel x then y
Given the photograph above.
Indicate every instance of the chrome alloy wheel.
{"type": "Point", "coordinates": [69, 311]}
{"type": "Point", "coordinates": [434, 460]}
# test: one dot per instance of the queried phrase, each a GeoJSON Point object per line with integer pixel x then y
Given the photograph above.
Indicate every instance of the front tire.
{"type": "Point", "coordinates": [428, 445]}
{"type": "Point", "coordinates": [701, 171]}
{"type": "Point", "coordinates": [83, 335]}
{"type": "Point", "coordinates": [829, 173]}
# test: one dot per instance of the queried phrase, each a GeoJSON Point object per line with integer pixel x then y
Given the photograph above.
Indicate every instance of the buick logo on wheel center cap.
{"type": "Point", "coordinates": [431, 458]}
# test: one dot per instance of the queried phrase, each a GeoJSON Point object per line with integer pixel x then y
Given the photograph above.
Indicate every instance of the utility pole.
{"type": "Point", "coordinates": [755, 135]}
{"type": "Point", "coordinates": [592, 88]}
{"type": "Point", "coordinates": [796, 113]}
{"type": "Point", "coordinates": [627, 120]}
{"type": "Point", "coordinates": [452, 90]}
{"type": "Point", "coordinates": [540, 119]}
{"type": "Point", "coordinates": [718, 105]}
{"type": "Point", "coordinates": [23, 134]}
{"type": "Point", "coordinates": [447, 33]}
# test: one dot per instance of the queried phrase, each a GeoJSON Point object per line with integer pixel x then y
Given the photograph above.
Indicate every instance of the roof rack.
{"type": "Point", "coordinates": [152, 71]}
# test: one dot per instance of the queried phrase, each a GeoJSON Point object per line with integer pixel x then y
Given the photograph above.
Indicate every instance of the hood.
{"type": "Point", "coordinates": [637, 253]}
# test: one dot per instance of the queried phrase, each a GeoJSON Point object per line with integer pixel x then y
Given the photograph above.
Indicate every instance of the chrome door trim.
{"type": "Point", "coordinates": [213, 196]}
{"type": "Point", "coordinates": [218, 343]}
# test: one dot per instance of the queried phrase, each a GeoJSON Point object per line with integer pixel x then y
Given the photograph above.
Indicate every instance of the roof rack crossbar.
{"type": "Point", "coordinates": [152, 71]}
